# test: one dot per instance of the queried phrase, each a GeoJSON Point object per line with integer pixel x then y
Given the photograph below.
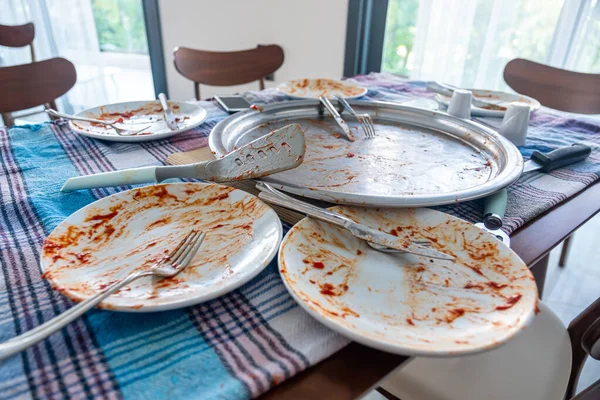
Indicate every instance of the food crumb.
{"type": "Point", "coordinates": [350, 155]}
{"type": "Point", "coordinates": [318, 265]}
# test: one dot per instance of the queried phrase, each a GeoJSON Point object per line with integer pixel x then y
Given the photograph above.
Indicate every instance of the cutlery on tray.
{"type": "Point", "coordinates": [277, 151]}
{"type": "Point", "coordinates": [168, 266]}
{"type": "Point", "coordinates": [363, 119]}
{"type": "Point", "coordinates": [338, 119]}
{"type": "Point", "coordinates": [169, 117]}
{"type": "Point", "coordinates": [119, 131]}
{"type": "Point", "coordinates": [376, 239]}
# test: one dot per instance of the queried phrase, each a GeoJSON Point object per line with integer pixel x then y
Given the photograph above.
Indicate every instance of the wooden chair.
{"type": "Point", "coordinates": [542, 362]}
{"type": "Point", "coordinates": [18, 36]}
{"type": "Point", "coordinates": [30, 85]}
{"type": "Point", "coordinates": [555, 88]}
{"type": "Point", "coordinates": [227, 68]}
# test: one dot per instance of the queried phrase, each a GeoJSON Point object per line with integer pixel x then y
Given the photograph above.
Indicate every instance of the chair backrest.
{"type": "Point", "coordinates": [18, 36]}
{"type": "Point", "coordinates": [30, 85]}
{"type": "Point", "coordinates": [227, 68]}
{"type": "Point", "coordinates": [554, 87]}
{"type": "Point", "coordinates": [584, 332]}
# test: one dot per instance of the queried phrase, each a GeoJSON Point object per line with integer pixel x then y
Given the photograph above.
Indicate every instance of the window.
{"type": "Point", "coordinates": [468, 42]}
{"type": "Point", "coordinates": [120, 26]}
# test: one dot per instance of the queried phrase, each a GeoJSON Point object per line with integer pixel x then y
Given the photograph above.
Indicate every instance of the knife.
{"type": "Point", "coordinates": [277, 151]}
{"type": "Point", "coordinates": [272, 195]}
{"type": "Point", "coordinates": [555, 159]}
{"type": "Point", "coordinates": [495, 204]}
{"type": "Point", "coordinates": [341, 123]}
{"type": "Point", "coordinates": [169, 117]}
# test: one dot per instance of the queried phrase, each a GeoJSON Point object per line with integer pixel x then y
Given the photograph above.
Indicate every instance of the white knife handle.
{"type": "Point", "coordinates": [116, 178]}
{"type": "Point", "coordinates": [163, 101]}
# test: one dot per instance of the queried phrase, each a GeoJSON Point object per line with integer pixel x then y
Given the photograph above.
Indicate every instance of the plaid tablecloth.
{"type": "Point", "coordinates": [237, 346]}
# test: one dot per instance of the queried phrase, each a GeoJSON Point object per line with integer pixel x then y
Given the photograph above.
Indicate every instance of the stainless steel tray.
{"type": "Point", "coordinates": [419, 157]}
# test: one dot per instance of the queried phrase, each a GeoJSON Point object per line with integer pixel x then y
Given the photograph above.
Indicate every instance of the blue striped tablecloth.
{"type": "Point", "coordinates": [235, 347]}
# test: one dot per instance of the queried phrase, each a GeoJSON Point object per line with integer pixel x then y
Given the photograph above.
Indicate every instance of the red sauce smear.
{"type": "Point", "coordinates": [327, 289]}
{"type": "Point", "coordinates": [394, 232]}
{"type": "Point", "coordinates": [511, 301]}
{"type": "Point", "coordinates": [83, 257]}
{"type": "Point", "coordinates": [217, 226]}
{"type": "Point", "coordinates": [496, 285]}
{"type": "Point", "coordinates": [102, 217]}
{"type": "Point", "coordinates": [454, 313]}
{"type": "Point", "coordinates": [410, 321]}
{"type": "Point", "coordinates": [318, 265]}
{"type": "Point", "coordinates": [257, 108]}
{"type": "Point", "coordinates": [350, 155]}
{"type": "Point", "coordinates": [358, 252]}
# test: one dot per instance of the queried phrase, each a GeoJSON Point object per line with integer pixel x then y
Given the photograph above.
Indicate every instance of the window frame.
{"type": "Point", "coordinates": [365, 31]}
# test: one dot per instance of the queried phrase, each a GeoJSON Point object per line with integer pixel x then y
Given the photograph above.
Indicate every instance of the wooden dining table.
{"type": "Point", "coordinates": [356, 369]}
{"type": "Point", "coordinates": [272, 350]}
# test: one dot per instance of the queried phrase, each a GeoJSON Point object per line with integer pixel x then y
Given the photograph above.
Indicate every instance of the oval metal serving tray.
{"type": "Point", "coordinates": [418, 158]}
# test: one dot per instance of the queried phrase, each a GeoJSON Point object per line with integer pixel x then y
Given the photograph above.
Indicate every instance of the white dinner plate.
{"type": "Point", "coordinates": [135, 115]}
{"type": "Point", "coordinates": [110, 238]}
{"type": "Point", "coordinates": [501, 99]}
{"type": "Point", "coordinates": [314, 88]}
{"type": "Point", "coordinates": [403, 303]}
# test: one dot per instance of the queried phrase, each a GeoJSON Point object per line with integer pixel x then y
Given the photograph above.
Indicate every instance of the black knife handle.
{"type": "Point", "coordinates": [561, 157]}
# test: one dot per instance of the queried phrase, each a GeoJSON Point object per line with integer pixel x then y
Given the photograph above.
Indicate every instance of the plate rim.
{"type": "Point", "coordinates": [180, 303]}
{"type": "Point", "coordinates": [389, 347]}
{"type": "Point", "coordinates": [138, 138]}
{"type": "Point", "coordinates": [282, 84]}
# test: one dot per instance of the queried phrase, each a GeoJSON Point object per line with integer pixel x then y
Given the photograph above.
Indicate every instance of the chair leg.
{"type": "Point", "coordinates": [7, 119]}
{"type": "Point", "coordinates": [539, 270]}
{"type": "Point", "coordinates": [564, 253]}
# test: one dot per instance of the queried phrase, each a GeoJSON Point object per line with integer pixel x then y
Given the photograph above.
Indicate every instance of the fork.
{"type": "Point", "coordinates": [364, 119]}
{"type": "Point", "coordinates": [119, 131]}
{"type": "Point", "coordinates": [168, 266]}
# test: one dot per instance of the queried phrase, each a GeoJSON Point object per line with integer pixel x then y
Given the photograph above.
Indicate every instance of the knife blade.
{"type": "Point", "coordinates": [169, 116]}
{"type": "Point", "coordinates": [341, 123]}
{"type": "Point", "coordinates": [547, 162]}
{"type": "Point", "coordinates": [272, 195]}
{"type": "Point", "coordinates": [277, 151]}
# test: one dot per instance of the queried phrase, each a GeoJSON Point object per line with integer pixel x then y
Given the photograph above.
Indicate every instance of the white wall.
{"type": "Point", "coordinates": [312, 34]}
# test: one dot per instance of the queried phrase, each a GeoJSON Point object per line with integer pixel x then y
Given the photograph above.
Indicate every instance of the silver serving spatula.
{"type": "Point", "coordinates": [277, 151]}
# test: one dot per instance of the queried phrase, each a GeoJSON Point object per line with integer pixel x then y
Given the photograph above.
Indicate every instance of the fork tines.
{"type": "Point", "coordinates": [364, 120]}
{"type": "Point", "coordinates": [367, 124]}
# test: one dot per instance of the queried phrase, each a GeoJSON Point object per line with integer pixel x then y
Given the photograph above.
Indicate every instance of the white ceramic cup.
{"type": "Point", "coordinates": [515, 123]}
{"type": "Point", "coordinates": [460, 104]}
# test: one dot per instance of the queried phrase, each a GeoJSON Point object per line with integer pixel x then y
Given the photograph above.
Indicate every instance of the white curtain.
{"type": "Point", "coordinates": [468, 42]}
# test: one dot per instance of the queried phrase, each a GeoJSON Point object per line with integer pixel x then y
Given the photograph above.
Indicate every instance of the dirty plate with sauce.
{"type": "Point", "coordinates": [135, 115]}
{"type": "Point", "coordinates": [114, 236]}
{"type": "Point", "coordinates": [315, 88]}
{"type": "Point", "coordinates": [499, 102]}
{"type": "Point", "coordinates": [403, 303]}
